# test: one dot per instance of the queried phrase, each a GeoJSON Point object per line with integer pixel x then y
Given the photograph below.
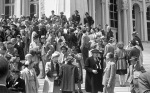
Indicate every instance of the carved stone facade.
{"type": "Point", "coordinates": [98, 9]}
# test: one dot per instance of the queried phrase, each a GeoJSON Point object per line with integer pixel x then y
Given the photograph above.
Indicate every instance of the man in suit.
{"type": "Point", "coordinates": [109, 74]}
{"type": "Point", "coordinates": [132, 76]}
{"type": "Point", "coordinates": [4, 70]}
{"type": "Point", "coordinates": [85, 45]}
{"type": "Point", "coordinates": [52, 17]}
{"type": "Point", "coordinates": [144, 82]}
{"type": "Point", "coordinates": [16, 83]}
{"type": "Point", "coordinates": [63, 19]}
{"type": "Point", "coordinates": [88, 20]}
{"type": "Point", "coordinates": [76, 18]}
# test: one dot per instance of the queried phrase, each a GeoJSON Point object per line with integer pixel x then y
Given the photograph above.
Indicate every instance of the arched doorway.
{"type": "Point", "coordinates": [136, 17]}
{"type": "Point", "coordinates": [148, 22]}
{"type": "Point", "coordinates": [34, 7]}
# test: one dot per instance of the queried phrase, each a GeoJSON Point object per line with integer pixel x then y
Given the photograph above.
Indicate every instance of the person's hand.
{"type": "Point", "coordinates": [108, 85]}
{"type": "Point", "coordinates": [94, 71]}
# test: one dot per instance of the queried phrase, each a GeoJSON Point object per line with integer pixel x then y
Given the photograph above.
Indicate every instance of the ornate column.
{"type": "Point", "coordinates": [142, 32]}
{"type": "Point", "coordinates": [25, 7]}
{"type": "Point", "coordinates": [130, 23]}
{"type": "Point", "coordinates": [1, 7]}
{"type": "Point", "coordinates": [145, 21]}
{"type": "Point", "coordinates": [41, 7]}
{"type": "Point", "coordinates": [107, 12]}
{"type": "Point", "coordinates": [125, 7]}
{"type": "Point", "coordinates": [119, 20]}
{"type": "Point", "coordinates": [103, 14]}
{"type": "Point", "coordinates": [94, 12]}
{"type": "Point", "coordinates": [17, 10]}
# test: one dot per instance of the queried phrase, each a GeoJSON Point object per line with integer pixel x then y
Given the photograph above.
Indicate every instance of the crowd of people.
{"type": "Point", "coordinates": [57, 49]}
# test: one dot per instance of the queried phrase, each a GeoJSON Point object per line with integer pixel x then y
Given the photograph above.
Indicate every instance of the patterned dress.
{"type": "Point", "coordinates": [121, 61]}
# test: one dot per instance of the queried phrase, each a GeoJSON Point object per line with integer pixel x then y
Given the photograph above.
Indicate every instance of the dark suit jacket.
{"type": "Point", "coordinates": [18, 85]}
{"type": "Point", "coordinates": [136, 38]}
{"type": "Point", "coordinates": [89, 20]}
{"type": "Point", "coordinates": [144, 82]}
{"type": "Point", "coordinates": [3, 89]}
{"type": "Point", "coordinates": [76, 19]}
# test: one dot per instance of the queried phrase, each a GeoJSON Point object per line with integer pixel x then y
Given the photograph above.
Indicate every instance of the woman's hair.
{"type": "Point", "coordinates": [111, 55]}
{"type": "Point", "coordinates": [120, 45]}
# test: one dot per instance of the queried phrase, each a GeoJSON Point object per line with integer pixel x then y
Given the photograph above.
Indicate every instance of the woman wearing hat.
{"type": "Point", "coordinates": [94, 73]}
{"type": "Point", "coordinates": [52, 72]}
{"type": "Point", "coordinates": [121, 62]}
{"type": "Point", "coordinates": [69, 75]}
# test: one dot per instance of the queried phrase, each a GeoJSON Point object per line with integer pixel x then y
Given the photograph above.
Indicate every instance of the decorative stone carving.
{"type": "Point", "coordinates": [125, 4]}
{"type": "Point", "coordinates": [138, 3]}
{"type": "Point", "coordinates": [42, 8]}
{"type": "Point", "coordinates": [119, 5]}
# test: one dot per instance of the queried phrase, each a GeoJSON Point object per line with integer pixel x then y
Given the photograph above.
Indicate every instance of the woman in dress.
{"type": "Point", "coordinates": [121, 61]}
{"type": "Point", "coordinates": [29, 76]}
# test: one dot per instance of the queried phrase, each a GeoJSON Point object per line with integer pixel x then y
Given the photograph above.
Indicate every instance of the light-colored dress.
{"type": "Point", "coordinates": [31, 80]}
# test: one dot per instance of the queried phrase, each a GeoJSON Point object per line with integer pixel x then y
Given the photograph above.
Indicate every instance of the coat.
{"type": "Point", "coordinates": [89, 21]}
{"type": "Point", "coordinates": [76, 19]}
{"type": "Point", "coordinates": [69, 76]}
{"type": "Point", "coordinates": [5, 90]}
{"type": "Point", "coordinates": [49, 81]}
{"type": "Point", "coordinates": [20, 47]}
{"type": "Point", "coordinates": [109, 74]}
{"type": "Point", "coordinates": [25, 77]}
{"type": "Point", "coordinates": [18, 85]}
{"type": "Point", "coordinates": [144, 82]}
{"type": "Point", "coordinates": [93, 81]}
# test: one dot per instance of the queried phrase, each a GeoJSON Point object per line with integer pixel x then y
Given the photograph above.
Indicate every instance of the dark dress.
{"type": "Point", "coordinates": [18, 85]}
{"type": "Point", "coordinates": [69, 76]}
{"type": "Point", "coordinates": [93, 82]}
{"type": "Point", "coordinates": [20, 47]}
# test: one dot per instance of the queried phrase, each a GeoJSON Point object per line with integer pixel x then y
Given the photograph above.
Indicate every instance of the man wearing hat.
{"type": "Point", "coordinates": [134, 72]}
{"type": "Point", "coordinates": [52, 17]}
{"type": "Point", "coordinates": [69, 75]}
{"type": "Point", "coordinates": [63, 19]}
{"type": "Point", "coordinates": [52, 73]}
{"type": "Point", "coordinates": [88, 20]}
{"type": "Point", "coordinates": [11, 50]}
{"type": "Point", "coordinates": [94, 72]}
{"type": "Point", "coordinates": [20, 47]}
{"type": "Point", "coordinates": [76, 18]}
{"type": "Point", "coordinates": [16, 83]}
{"type": "Point", "coordinates": [136, 38]}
